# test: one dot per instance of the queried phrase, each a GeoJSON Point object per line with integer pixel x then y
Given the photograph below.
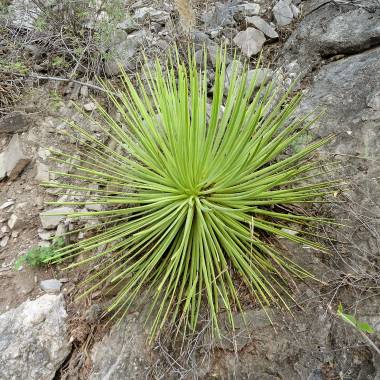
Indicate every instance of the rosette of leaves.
{"type": "Point", "coordinates": [195, 192]}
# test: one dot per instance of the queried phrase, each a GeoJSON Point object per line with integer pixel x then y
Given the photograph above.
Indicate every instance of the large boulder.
{"type": "Point", "coordinates": [33, 340]}
{"type": "Point", "coordinates": [348, 90]}
{"type": "Point", "coordinates": [331, 28]}
{"type": "Point", "coordinates": [123, 354]}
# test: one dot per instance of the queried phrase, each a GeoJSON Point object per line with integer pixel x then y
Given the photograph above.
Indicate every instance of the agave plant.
{"type": "Point", "coordinates": [194, 192]}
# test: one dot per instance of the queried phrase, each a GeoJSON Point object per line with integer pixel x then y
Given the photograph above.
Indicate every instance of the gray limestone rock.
{"type": "Point", "coordinates": [328, 30]}
{"type": "Point", "coordinates": [123, 354]}
{"type": "Point", "coordinates": [283, 12]}
{"type": "Point", "coordinates": [345, 89]}
{"type": "Point", "coordinates": [15, 122]}
{"type": "Point", "coordinates": [262, 25]}
{"type": "Point", "coordinates": [153, 14]}
{"type": "Point", "coordinates": [33, 340]}
{"type": "Point", "coordinates": [42, 172]}
{"type": "Point", "coordinates": [13, 160]}
{"type": "Point", "coordinates": [51, 218]}
{"type": "Point", "coordinates": [51, 286]}
{"type": "Point", "coordinates": [123, 49]}
{"type": "Point", "coordinates": [250, 41]}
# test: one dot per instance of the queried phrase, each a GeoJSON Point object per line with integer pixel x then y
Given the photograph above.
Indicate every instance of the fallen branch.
{"type": "Point", "coordinates": [60, 79]}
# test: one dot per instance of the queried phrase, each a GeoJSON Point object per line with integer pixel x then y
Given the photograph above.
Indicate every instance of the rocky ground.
{"type": "Point", "coordinates": [333, 49]}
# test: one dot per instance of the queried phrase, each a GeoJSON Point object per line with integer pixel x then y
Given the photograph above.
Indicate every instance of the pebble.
{"type": "Point", "coordinates": [4, 241]}
{"type": "Point", "coordinates": [4, 229]}
{"type": "Point", "coordinates": [45, 235]}
{"type": "Point", "coordinates": [43, 153]}
{"type": "Point", "coordinates": [51, 286]}
{"type": "Point", "coordinates": [7, 204]}
{"type": "Point", "coordinates": [249, 9]}
{"type": "Point", "coordinates": [42, 172]}
{"type": "Point", "coordinates": [84, 91]}
{"type": "Point", "coordinates": [12, 222]}
{"type": "Point", "coordinates": [153, 14]}
{"type": "Point", "coordinates": [90, 106]}
{"type": "Point", "coordinates": [261, 75]}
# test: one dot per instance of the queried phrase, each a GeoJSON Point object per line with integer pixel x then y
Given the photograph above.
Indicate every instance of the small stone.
{"type": "Point", "coordinates": [214, 33]}
{"type": "Point", "coordinates": [128, 25]}
{"type": "Point", "coordinates": [43, 153]}
{"type": "Point", "coordinates": [45, 235]}
{"type": "Point", "coordinates": [15, 234]}
{"type": "Point", "coordinates": [261, 76]}
{"type": "Point", "coordinates": [15, 122]}
{"type": "Point", "coordinates": [124, 48]}
{"type": "Point", "coordinates": [7, 204]}
{"type": "Point", "coordinates": [4, 229]}
{"type": "Point", "coordinates": [51, 286]}
{"type": "Point", "coordinates": [212, 53]}
{"type": "Point", "coordinates": [90, 106]}
{"type": "Point", "coordinates": [93, 314]}
{"type": "Point", "coordinates": [50, 221]}
{"type": "Point", "coordinates": [250, 41]}
{"type": "Point", "coordinates": [221, 16]}
{"type": "Point", "coordinates": [145, 13]}
{"type": "Point", "coordinates": [249, 9]}
{"type": "Point", "coordinates": [42, 174]}
{"type": "Point", "coordinates": [13, 221]}
{"type": "Point", "coordinates": [84, 91]}
{"type": "Point", "coordinates": [13, 160]}
{"type": "Point", "coordinates": [94, 207]}
{"type": "Point", "coordinates": [74, 91]}
{"type": "Point", "coordinates": [61, 229]}
{"type": "Point", "coordinates": [262, 25]}
{"type": "Point", "coordinates": [235, 64]}
{"type": "Point", "coordinates": [4, 241]}
{"type": "Point", "coordinates": [199, 59]}
{"type": "Point", "coordinates": [283, 12]}
{"type": "Point", "coordinates": [44, 244]}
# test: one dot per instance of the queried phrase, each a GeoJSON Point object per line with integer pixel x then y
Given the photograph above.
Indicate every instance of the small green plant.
{"type": "Point", "coordinates": [362, 327]}
{"type": "Point", "coordinates": [59, 62]}
{"type": "Point", "coordinates": [39, 256]}
{"type": "Point", "coordinates": [40, 23]}
{"type": "Point", "coordinates": [351, 320]}
{"type": "Point", "coordinates": [13, 67]}
{"type": "Point", "coordinates": [56, 99]}
{"type": "Point", "coordinates": [193, 202]}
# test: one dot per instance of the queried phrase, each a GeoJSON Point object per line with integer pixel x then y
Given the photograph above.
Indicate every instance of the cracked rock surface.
{"type": "Point", "coordinates": [33, 340]}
